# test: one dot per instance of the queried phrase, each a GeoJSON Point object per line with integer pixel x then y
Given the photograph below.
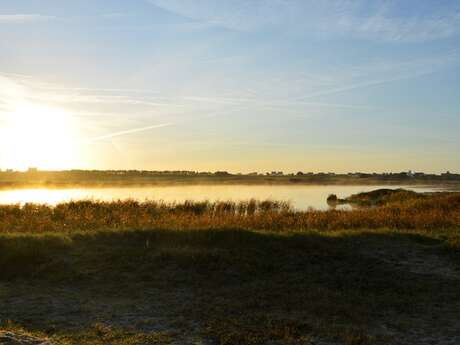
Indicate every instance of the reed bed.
{"type": "Point", "coordinates": [438, 211]}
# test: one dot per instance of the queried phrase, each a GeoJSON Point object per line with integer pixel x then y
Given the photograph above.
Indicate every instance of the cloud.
{"type": "Point", "coordinates": [96, 107]}
{"type": "Point", "coordinates": [24, 18]}
{"type": "Point", "coordinates": [129, 131]}
{"type": "Point", "coordinates": [361, 85]}
{"type": "Point", "coordinates": [143, 102]}
{"type": "Point", "coordinates": [385, 21]}
{"type": "Point", "coordinates": [414, 29]}
{"type": "Point", "coordinates": [379, 73]}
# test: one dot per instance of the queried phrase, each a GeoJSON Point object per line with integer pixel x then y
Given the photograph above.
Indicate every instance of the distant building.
{"type": "Point", "coordinates": [448, 175]}
{"type": "Point", "coordinates": [274, 173]}
{"type": "Point", "coordinates": [222, 173]}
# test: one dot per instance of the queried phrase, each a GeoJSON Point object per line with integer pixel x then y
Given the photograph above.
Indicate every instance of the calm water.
{"type": "Point", "coordinates": [301, 197]}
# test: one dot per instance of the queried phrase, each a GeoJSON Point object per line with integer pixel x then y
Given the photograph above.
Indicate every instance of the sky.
{"type": "Point", "coordinates": [236, 85]}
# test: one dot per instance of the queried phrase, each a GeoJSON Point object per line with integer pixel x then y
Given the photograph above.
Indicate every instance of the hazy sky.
{"type": "Point", "coordinates": [238, 85]}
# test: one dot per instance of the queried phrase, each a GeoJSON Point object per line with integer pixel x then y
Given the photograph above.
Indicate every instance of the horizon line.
{"type": "Point", "coordinates": [261, 173]}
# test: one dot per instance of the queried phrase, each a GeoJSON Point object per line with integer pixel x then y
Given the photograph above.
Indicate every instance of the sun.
{"type": "Point", "coordinates": [38, 136]}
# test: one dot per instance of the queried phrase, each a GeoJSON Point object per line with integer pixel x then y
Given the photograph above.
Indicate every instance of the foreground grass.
{"type": "Point", "coordinates": [212, 276]}
{"type": "Point", "coordinates": [230, 287]}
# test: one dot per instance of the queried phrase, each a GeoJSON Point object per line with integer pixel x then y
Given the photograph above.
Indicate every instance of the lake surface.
{"type": "Point", "coordinates": [301, 196]}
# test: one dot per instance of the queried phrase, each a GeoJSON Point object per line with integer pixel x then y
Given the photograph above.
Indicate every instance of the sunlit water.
{"type": "Point", "coordinates": [301, 197]}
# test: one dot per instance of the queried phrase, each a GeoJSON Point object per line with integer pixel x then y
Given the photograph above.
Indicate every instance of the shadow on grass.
{"type": "Point", "coordinates": [235, 285]}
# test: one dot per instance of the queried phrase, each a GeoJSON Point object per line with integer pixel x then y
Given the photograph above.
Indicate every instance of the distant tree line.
{"type": "Point", "coordinates": [33, 174]}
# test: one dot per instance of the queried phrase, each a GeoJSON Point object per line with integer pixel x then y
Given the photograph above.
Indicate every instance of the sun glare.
{"type": "Point", "coordinates": [37, 136]}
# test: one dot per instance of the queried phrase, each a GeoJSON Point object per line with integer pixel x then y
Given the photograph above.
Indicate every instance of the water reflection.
{"type": "Point", "coordinates": [301, 197]}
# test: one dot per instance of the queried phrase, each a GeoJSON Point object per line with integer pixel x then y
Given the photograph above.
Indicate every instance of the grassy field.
{"type": "Point", "coordinates": [225, 273]}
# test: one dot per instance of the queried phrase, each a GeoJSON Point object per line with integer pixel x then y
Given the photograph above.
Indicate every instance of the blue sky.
{"type": "Point", "coordinates": [232, 85]}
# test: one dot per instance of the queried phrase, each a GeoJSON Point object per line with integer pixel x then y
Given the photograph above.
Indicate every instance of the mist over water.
{"type": "Point", "coordinates": [301, 197]}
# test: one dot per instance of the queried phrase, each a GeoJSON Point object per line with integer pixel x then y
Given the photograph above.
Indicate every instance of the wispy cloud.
{"type": "Point", "coordinates": [19, 18]}
{"type": "Point", "coordinates": [414, 28]}
{"type": "Point", "coordinates": [17, 86]}
{"type": "Point", "coordinates": [357, 18]}
{"type": "Point", "coordinates": [374, 74]}
{"type": "Point", "coordinates": [134, 107]}
{"type": "Point", "coordinates": [361, 85]}
{"type": "Point", "coordinates": [24, 18]}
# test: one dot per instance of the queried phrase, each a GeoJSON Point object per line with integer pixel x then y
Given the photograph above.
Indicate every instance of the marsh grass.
{"type": "Point", "coordinates": [437, 211]}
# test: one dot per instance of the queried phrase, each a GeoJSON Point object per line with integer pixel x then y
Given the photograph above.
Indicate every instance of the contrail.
{"type": "Point", "coordinates": [362, 85]}
{"type": "Point", "coordinates": [129, 131]}
{"type": "Point", "coordinates": [142, 129]}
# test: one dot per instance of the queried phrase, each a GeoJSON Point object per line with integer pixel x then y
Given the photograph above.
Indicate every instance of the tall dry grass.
{"type": "Point", "coordinates": [432, 212]}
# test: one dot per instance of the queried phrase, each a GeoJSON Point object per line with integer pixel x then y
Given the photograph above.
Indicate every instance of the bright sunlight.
{"type": "Point", "coordinates": [38, 136]}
